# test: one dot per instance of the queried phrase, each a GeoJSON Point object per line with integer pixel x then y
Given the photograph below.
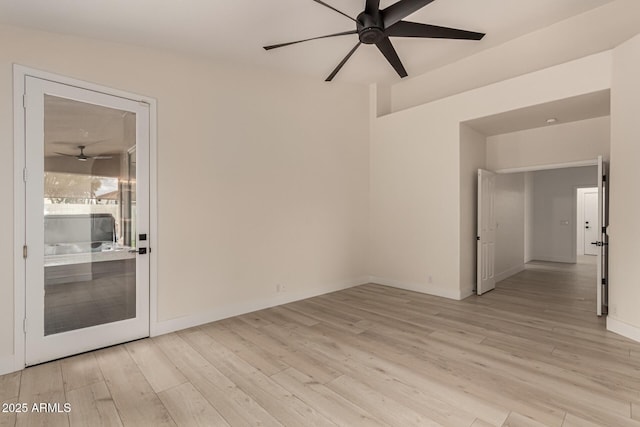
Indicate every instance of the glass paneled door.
{"type": "Point", "coordinates": [87, 220]}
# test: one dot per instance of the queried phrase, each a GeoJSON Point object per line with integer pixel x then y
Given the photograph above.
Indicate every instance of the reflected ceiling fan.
{"type": "Point", "coordinates": [375, 26]}
{"type": "Point", "coordinates": [83, 157]}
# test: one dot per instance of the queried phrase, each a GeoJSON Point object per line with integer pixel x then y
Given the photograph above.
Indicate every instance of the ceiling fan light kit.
{"type": "Point", "coordinates": [374, 26]}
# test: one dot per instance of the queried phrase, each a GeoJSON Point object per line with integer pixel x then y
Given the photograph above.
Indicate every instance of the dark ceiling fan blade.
{"type": "Point", "coordinates": [401, 10]}
{"type": "Point", "coordinates": [64, 154]}
{"type": "Point", "coordinates": [344, 33]}
{"type": "Point", "coordinates": [390, 53]}
{"type": "Point", "coordinates": [371, 7]}
{"type": "Point", "coordinates": [335, 10]}
{"type": "Point", "coordinates": [341, 64]}
{"type": "Point", "coordinates": [100, 157]}
{"type": "Point", "coordinates": [414, 29]}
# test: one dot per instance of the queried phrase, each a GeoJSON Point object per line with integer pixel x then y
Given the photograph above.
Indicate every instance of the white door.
{"type": "Point", "coordinates": [486, 238]}
{"type": "Point", "coordinates": [87, 220]}
{"type": "Point", "coordinates": [602, 243]}
{"type": "Point", "coordinates": [591, 231]}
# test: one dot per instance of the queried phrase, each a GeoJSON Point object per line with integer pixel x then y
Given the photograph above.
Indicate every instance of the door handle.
{"type": "Point", "coordinates": [141, 251]}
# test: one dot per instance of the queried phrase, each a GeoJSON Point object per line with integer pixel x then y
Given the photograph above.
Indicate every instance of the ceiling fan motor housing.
{"type": "Point", "coordinates": [370, 28]}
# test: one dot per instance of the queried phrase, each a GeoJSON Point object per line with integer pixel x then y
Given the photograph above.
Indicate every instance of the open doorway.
{"type": "Point", "coordinates": [543, 218]}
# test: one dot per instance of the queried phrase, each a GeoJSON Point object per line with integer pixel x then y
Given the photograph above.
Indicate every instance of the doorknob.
{"type": "Point", "coordinates": [141, 251]}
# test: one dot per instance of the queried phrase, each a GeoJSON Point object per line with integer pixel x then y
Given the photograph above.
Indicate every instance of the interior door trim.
{"type": "Point", "coordinates": [20, 73]}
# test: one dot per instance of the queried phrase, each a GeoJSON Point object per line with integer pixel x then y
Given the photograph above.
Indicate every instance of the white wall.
{"type": "Point", "coordinates": [562, 143]}
{"type": "Point", "coordinates": [624, 229]}
{"type": "Point", "coordinates": [473, 152]}
{"type": "Point", "coordinates": [416, 188]}
{"type": "Point", "coordinates": [274, 169]}
{"type": "Point", "coordinates": [616, 21]}
{"type": "Point", "coordinates": [554, 211]}
{"type": "Point", "coordinates": [510, 219]}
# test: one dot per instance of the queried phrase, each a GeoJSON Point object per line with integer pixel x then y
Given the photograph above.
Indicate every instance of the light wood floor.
{"type": "Point", "coordinates": [529, 353]}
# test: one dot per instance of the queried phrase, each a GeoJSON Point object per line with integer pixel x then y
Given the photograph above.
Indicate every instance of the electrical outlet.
{"type": "Point", "coordinates": [430, 279]}
{"type": "Point", "coordinates": [280, 288]}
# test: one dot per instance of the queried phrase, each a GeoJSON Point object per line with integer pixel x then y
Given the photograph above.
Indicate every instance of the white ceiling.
{"type": "Point", "coordinates": [583, 107]}
{"type": "Point", "coordinates": [236, 30]}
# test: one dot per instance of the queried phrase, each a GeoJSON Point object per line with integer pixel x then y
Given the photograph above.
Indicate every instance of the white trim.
{"type": "Point", "coordinates": [172, 325]}
{"type": "Point", "coordinates": [509, 272]}
{"type": "Point", "coordinates": [565, 260]}
{"type": "Point", "coordinates": [18, 218]}
{"type": "Point", "coordinates": [7, 365]}
{"type": "Point", "coordinates": [154, 237]}
{"type": "Point", "coordinates": [422, 288]}
{"type": "Point", "coordinates": [576, 164]}
{"type": "Point", "coordinates": [19, 74]}
{"type": "Point", "coordinates": [622, 328]}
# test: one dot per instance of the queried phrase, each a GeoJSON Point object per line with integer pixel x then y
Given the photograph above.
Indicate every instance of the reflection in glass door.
{"type": "Point", "coordinates": [87, 287]}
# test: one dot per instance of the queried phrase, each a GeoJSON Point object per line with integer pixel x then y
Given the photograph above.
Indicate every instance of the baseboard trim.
{"type": "Point", "coordinates": [554, 259]}
{"type": "Point", "coordinates": [623, 328]}
{"type": "Point", "coordinates": [180, 323]}
{"type": "Point", "coordinates": [466, 293]}
{"type": "Point", "coordinates": [7, 365]}
{"type": "Point", "coordinates": [419, 287]}
{"type": "Point", "coordinates": [509, 272]}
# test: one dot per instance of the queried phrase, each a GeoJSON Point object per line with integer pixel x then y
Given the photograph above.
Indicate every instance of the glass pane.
{"type": "Point", "coordinates": [89, 214]}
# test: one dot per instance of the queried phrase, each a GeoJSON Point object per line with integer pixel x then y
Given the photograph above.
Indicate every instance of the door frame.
{"type": "Point", "coordinates": [20, 73]}
{"type": "Point", "coordinates": [596, 162]}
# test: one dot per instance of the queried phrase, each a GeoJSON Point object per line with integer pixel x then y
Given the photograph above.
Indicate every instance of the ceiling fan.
{"type": "Point", "coordinates": [375, 26]}
{"type": "Point", "coordinates": [83, 157]}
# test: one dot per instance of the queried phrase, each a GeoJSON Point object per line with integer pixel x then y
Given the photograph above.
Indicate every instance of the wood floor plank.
{"type": "Point", "coordinates": [189, 408]}
{"type": "Point", "coordinates": [159, 371]}
{"type": "Point", "coordinates": [285, 407]}
{"type": "Point", "coordinates": [531, 352]}
{"type": "Point", "coordinates": [10, 386]}
{"type": "Point", "coordinates": [288, 355]}
{"type": "Point", "coordinates": [293, 316]}
{"type": "Point", "coordinates": [135, 400]}
{"type": "Point", "coordinates": [92, 405]}
{"type": "Point", "coordinates": [518, 420]}
{"type": "Point", "coordinates": [42, 384]}
{"type": "Point", "coordinates": [255, 355]}
{"type": "Point", "coordinates": [80, 371]}
{"type": "Point", "coordinates": [237, 407]}
{"type": "Point", "coordinates": [41, 380]}
{"type": "Point", "coordinates": [575, 421]}
{"type": "Point", "coordinates": [8, 419]}
{"type": "Point", "coordinates": [436, 369]}
{"type": "Point", "coordinates": [387, 410]}
{"type": "Point", "coordinates": [380, 372]}
{"type": "Point", "coordinates": [335, 407]}
{"type": "Point", "coordinates": [40, 413]}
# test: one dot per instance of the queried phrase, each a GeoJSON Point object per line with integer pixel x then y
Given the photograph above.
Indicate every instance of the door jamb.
{"type": "Point", "coordinates": [20, 73]}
